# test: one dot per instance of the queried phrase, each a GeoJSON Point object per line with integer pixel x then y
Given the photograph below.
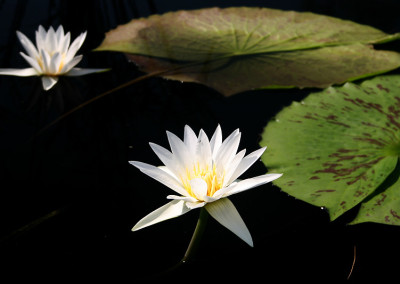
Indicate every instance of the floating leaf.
{"type": "Point", "coordinates": [237, 49]}
{"type": "Point", "coordinates": [338, 147]}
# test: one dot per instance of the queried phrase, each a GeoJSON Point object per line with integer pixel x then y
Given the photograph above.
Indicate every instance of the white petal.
{"type": "Point", "coordinates": [46, 61]}
{"type": "Point", "coordinates": [76, 44]}
{"type": "Point", "coordinates": [59, 37]}
{"type": "Point", "coordinates": [190, 139]}
{"type": "Point", "coordinates": [170, 210]}
{"type": "Point", "coordinates": [245, 163]}
{"type": "Point", "coordinates": [203, 150]}
{"type": "Point", "coordinates": [71, 64]}
{"type": "Point", "coordinates": [251, 183]}
{"type": "Point", "coordinates": [232, 167]}
{"type": "Point", "coordinates": [84, 71]}
{"type": "Point", "coordinates": [64, 44]}
{"type": "Point", "coordinates": [31, 61]}
{"type": "Point", "coordinates": [40, 38]}
{"type": "Point", "coordinates": [227, 151]}
{"type": "Point", "coordinates": [28, 45]}
{"type": "Point", "coordinates": [19, 72]}
{"type": "Point", "coordinates": [226, 214]}
{"type": "Point", "coordinates": [216, 141]}
{"type": "Point", "coordinates": [184, 198]}
{"type": "Point", "coordinates": [168, 159]}
{"type": "Point", "coordinates": [48, 82]}
{"type": "Point", "coordinates": [55, 63]}
{"type": "Point", "coordinates": [50, 42]}
{"type": "Point", "coordinates": [161, 176]}
{"type": "Point", "coordinates": [194, 205]}
{"type": "Point", "coordinates": [180, 150]}
{"type": "Point", "coordinates": [199, 188]}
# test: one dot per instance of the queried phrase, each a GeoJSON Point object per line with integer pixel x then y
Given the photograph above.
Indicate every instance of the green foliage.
{"type": "Point", "coordinates": [239, 49]}
{"type": "Point", "coordinates": [339, 148]}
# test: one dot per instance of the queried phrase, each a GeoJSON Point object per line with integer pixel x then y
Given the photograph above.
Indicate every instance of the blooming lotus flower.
{"type": "Point", "coordinates": [53, 56]}
{"type": "Point", "coordinates": [203, 173]}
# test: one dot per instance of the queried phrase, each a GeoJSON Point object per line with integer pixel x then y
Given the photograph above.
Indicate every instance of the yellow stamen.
{"type": "Point", "coordinates": [213, 179]}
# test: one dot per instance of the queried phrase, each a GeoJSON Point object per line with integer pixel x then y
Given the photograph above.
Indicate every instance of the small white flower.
{"type": "Point", "coordinates": [53, 56]}
{"type": "Point", "coordinates": [203, 172]}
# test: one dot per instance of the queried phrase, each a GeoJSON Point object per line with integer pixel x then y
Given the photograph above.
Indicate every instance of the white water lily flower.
{"type": "Point", "coordinates": [203, 172]}
{"type": "Point", "coordinates": [53, 56]}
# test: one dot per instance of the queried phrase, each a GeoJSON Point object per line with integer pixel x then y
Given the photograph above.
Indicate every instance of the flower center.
{"type": "Point", "coordinates": [213, 179]}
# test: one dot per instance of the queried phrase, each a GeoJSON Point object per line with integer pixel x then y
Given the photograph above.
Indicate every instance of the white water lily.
{"type": "Point", "coordinates": [203, 173]}
{"type": "Point", "coordinates": [53, 56]}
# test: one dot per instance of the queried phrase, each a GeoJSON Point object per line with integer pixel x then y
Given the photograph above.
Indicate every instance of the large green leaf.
{"type": "Point", "coordinates": [338, 147]}
{"type": "Point", "coordinates": [237, 49]}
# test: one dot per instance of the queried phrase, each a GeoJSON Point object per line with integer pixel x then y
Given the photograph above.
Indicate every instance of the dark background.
{"type": "Point", "coordinates": [69, 198]}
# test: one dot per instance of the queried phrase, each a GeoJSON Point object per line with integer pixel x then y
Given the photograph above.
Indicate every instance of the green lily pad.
{"type": "Point", "coordinates": [242, 48]}
{"type": "Point", "coordinates": [339, 148]}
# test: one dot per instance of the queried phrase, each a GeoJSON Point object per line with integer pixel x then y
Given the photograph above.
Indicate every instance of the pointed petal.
{"type": "Point", "coordinates": [194, 205]}
{"type": "Point", "coordinates": [170, 210]}
{"type": "Point", "coordinates": [60, 37]}
{"type": "Point", "coordinates": [251, 183]}
{"type": "Point", "coordinates": [70, 64]}
{"type": "Point", "coordinates": [48, 82]}
{"type": "Point", "coordinates": [83, 71]}
{"type": "Point", "coordinates": [55, 63]}
{"type": "Point", "coordinates": [184, 198]}
{"type": "Point", "coordinates": [40, 38]}
{"type": "Point", "coordinates": [226, 214]}
{"type": "Point", "coordinates": [46, 61]}
{"type": "Point", "coordinates": [50, 42]}
{"type": "Point", "coordinates": [19, 72]}
{"type": "Point", "coordinates": [190, 139]}
{"type": "Point", "coordinates": [232, 167]}
{"type": "Point", "coordinates": [161, 176]}
{"type": "Point", "coordinates": [76, 44]}
{"type": "Point", "coordinates": [28, 45]}
{"type": "Point", "coordinates": [227, 151]}
{"type": "Point", "coordinates": [168, 159]}
{"type": "Point", "coordinates": [180, 151]}
{"type": "Point", "coordinates": [64, 44]}
{"type": "Point", "coordinates": [203, 150]}
{"type": "Point", "coordinates": [199, 188]}
{"type": "Point", "coordinates": [216, 141]}
{"type": "Point", "coordinates": [31, 61]}
{"type": "Point", "coordinates": [245, 163]}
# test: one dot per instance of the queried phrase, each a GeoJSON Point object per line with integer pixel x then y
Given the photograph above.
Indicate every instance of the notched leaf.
{"type": "Point", "coordinates": [241, 48]}
{"type": "Point", "coordinates": [354, 132]}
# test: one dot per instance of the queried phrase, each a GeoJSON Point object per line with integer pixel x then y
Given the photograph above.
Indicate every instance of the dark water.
{"type": "Point", "coordinates": [69, 198]}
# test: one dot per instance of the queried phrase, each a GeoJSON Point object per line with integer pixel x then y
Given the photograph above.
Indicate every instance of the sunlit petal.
{"type": "Point", "coordinates": [226, 214]}
{"type": "Point", "coordinates": [199, 188]}
{"type": "Point", "coordinates": [190, 139]}
{"type": "Point", "coordinates": [48, 82]}
{"type": "Point", "coordinates": [251, 183]}
{"type": "Point", "coordinates": [160, 176]}
{"type": "Point", "coordinates": [170, 210]}
{"type": "Point", "coordinates": [71, 64]}
{"type": "Point", "coordinates": [216, 141]}
{"type": "Point", "coordinates": [19, 72]}
{"type": "Point", "coordinates": [245, 163]}
{"type": "Point", "coordinates": [32, 62]}
{"type": "Point", "coordinates": [76, 44]}
{"type": "Point", "coordinates": [179, 150]}
{"type": "Point", "coordinates": [28, 45]}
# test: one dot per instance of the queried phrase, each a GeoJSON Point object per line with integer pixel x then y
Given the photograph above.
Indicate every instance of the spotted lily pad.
{"type": "Point", "coordinates": [339, 148]}
{"type": "Point", "coordinates": [242, 48]}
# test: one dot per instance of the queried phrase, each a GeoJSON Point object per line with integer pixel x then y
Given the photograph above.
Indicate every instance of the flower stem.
{"type": "Point", "coordinates": [194, 242]}
{"type": "Point", "coordinates": [197, 234]}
